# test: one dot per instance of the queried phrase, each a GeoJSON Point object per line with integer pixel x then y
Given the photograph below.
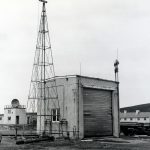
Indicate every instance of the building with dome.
{"type": "Point", "coordinates": [16, 114]}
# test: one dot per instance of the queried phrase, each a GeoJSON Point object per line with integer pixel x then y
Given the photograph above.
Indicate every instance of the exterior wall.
{"type": "Point", "coordinates": [67, 96]}
{"type": "Point", "coordinates": [22, 115]}
{"type": "Point", "coordinates": [1, 119]}
{"type": "Point", "coordinates": [115, 112]}
{"type": "Point", "coordinates": [9, 112]}
{"type": "Point", "coordinates": [13, 112]}
{"type": "Point", "coordinates": [31, 118]}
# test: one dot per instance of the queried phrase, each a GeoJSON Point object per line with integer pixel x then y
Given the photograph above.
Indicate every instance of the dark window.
{"type": "Point", "coordinates": [131, 119]}
{"type": "Point", "coordinates": [0, 118]}
{"type": "Point", "coordinates": [17, 119]}
{"type": "Point", "coordinates": [55, 114]}
{"type": "Point", "coordinates": [144, 118]}
{"type": "Point", "coordinates": [28, 120]}
{"type": "Point", "coordinates": [125, 118]}
{"type": "Point", "coordinates": [9, 111]}
{"type": "Point", "coordinates": [9, 118]}
{"type": "Point", "coordinates": [138, 118]}
{"type": "Point", "coordinates": [34, 122]}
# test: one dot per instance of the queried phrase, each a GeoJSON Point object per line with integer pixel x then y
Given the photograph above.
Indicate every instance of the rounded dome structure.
{"type": "Point", "coordinates": [15, 103]}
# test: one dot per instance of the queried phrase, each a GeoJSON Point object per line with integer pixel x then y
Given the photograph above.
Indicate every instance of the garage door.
{"type": "Point", "coordinates": [97, 107]}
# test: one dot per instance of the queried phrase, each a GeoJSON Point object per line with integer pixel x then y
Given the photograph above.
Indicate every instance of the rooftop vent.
{"type": "Point", "coordinates": [125, 111]}
{"type": "Point", "coordinates": [137, 111]}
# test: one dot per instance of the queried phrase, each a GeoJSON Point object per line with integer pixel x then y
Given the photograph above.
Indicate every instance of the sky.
{"type": "Point", "coordinates": [84, 33]}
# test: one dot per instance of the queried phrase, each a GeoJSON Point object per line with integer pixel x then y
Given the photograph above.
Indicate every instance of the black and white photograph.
{"type": "Point", "coordinates": [74, 74]}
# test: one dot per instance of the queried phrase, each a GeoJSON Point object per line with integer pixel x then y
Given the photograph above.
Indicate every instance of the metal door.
{"type": "Point", "coordinates": [17, 119]}
{"type": "Point", "coordinates": [97, 107]}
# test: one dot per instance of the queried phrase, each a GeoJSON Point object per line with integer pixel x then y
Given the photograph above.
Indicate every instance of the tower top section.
{"type": "Point", "coordinates": [43, 1]}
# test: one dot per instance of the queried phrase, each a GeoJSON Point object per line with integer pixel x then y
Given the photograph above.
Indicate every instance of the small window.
{"type": "Point", "coordinates": [55, 114]}
{"type": "Point", "coordinates": [125, 118]}
{"type": "Point", "coordinates": [138, 118]}
{"type": "Point", "coordinates": [28, 120]}
{"type": "Point", "coordinates": [9, 118]}
{"type": "Point", "coordinates": [144, 118]}
{"type": "Point", "coordinates": [0, 118]}
{"type": "Point", "coordinates": [9, 111]}
{"type": "Point", "coordinates": [131, 119]}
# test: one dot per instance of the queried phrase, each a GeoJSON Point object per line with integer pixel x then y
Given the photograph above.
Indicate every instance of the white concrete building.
{"type": "Point", "coordinates": [137, 116]}
{"type": "Point", "coordinates": [15, 113]}
{"type": "Point", "coordinates": [88, 107]}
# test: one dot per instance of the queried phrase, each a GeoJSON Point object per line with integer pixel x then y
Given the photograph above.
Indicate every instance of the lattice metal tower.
{"type": "Point", "coordinates": [40, 92]}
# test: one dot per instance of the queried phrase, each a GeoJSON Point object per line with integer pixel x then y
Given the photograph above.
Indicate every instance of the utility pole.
{"type": "Point", "coordinates": [116, 70]}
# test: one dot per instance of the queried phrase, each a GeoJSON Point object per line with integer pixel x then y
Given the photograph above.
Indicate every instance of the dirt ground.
{"type": "Point", "coordinates": [124, 143]}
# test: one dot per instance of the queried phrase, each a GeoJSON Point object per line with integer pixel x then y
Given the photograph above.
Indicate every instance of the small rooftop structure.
{"type": "Point", "coordinates": [15, 104]}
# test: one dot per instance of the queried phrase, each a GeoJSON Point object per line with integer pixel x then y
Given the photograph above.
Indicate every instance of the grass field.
{"type": "Point", "coordinates": [8, 143]}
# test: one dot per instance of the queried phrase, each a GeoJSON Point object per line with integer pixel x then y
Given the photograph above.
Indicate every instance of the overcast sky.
{"type": "Point", "coordinates": [81, 31]}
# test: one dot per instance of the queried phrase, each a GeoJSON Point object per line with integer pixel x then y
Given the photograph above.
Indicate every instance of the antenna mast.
{"type": "Point", "coordinates": [116, 69]}
{"type": "Point", "coordinates": [41, 92]}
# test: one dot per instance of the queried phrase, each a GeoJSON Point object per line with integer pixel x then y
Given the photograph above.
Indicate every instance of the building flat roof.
{"type": "Point", "coordinates": [72, 76]}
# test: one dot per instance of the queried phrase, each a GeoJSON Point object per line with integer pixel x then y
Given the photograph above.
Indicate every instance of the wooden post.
{"type": "Point", "coordinates": [16, 132]}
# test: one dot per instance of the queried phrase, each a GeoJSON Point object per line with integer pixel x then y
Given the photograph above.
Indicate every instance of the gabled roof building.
{"type": "Point", "coordinates": [137, 113]}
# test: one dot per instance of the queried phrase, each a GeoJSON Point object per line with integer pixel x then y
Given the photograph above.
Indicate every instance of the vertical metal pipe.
{"type": "Point", "coordinates": [78, 106]}
{"type": "Point", "coordinates": [118, 107]}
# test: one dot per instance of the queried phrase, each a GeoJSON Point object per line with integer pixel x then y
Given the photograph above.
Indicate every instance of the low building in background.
{"type": "Point", "coordinates": [137, 113]}
{"type": "Point", "coordinates": [15, 114]}
{"type": "Point", "coordinates": [31, 118]}
{"type": "Point", "coordinates": [140, 117]}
